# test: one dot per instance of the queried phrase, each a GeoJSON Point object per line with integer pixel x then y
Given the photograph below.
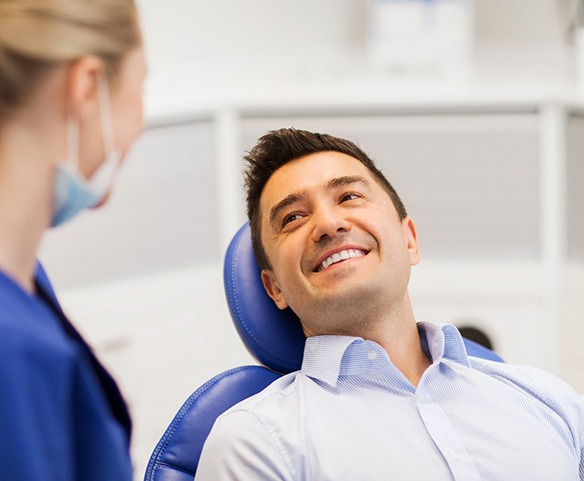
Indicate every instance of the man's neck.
{"type": "Point", "coordinates": [401, 341]}
{"type": "Point", "coordinates": [395, 329]}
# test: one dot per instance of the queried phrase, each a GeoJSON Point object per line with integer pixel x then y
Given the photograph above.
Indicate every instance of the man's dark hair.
{"type": "Point", "coordinates": [277, 148]}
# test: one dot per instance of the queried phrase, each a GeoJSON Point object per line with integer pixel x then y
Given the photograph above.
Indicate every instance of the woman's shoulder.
{"type": "Point", "coordinates": [29, 332]}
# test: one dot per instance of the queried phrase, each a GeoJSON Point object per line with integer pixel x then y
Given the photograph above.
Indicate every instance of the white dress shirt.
{"type": "Point", "coordinates": [349, 414]}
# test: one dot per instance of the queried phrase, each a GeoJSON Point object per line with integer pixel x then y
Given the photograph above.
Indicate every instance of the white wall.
{"type": "Point", "coordinates": [234, 45]}
{"type": "Point", "coordinates": [233, 35]}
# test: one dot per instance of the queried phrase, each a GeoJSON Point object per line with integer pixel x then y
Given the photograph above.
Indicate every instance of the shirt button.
{"type": "Point", "coordinates": [372, 355]}
{"type": "Point", "coordinates": [423, 398]}
{"type": "Point", "coordinates": [454, 455]}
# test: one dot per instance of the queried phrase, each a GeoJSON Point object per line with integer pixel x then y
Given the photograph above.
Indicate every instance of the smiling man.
{"type": "Point", "coordinates": [339, 253]}
{"type": "Point", "coordinates": [379, 396]}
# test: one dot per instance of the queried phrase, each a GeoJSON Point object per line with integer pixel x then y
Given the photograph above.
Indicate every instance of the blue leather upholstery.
{"type": "Point", "coordinates": [272, 336]}
{"type": "Point", "coordinates": [176, 455]}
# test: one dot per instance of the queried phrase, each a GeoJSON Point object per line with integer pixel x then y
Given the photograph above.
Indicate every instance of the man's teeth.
{"type": "Point", "coordinates": [340, 256]}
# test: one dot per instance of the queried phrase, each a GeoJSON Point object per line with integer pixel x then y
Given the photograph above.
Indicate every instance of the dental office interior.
{"type": "Point", "coordinates": [474, 109]}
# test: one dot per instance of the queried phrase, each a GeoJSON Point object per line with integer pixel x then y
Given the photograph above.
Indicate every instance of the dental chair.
{"type": "Point", "coordinates": [272, 336]}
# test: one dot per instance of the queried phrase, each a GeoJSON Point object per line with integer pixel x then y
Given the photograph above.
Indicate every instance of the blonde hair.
{"type": "Point", "coordinates": [38, 35]}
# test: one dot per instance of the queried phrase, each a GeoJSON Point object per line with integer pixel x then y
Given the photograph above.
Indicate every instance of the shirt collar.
{"type": "Point", "coordinates": [327, 357]}
{"type": "Point", "coordinates": [442, 341]}
{"type": "Point", "coordinates": [323, 356]}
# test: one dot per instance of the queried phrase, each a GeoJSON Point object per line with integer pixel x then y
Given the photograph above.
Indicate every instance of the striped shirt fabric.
{"type": "Point", "coordinates": [350, 414]}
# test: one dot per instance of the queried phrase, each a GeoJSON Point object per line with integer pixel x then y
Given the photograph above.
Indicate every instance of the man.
{"type": "Point", "coordinates": [379, 396]}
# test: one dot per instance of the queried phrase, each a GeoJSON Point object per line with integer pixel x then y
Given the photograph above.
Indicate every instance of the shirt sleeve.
{"type": "Point", "coordinates": [578, 403]}
{"type": "Point", "coordinates": [570, 406]}
{"type": "Point", "coordinates": [551, 390]}
{"type": "Point", "coordinates": [565, 401]}
{"type": "Point", "coordinates": [240, 447]}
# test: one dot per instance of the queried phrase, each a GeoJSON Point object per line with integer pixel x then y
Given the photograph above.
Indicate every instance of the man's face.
{"type": "Point", "coordinates": [338, 250]}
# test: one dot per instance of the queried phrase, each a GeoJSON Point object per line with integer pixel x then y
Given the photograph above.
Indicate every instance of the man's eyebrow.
{"type": "Point", "coordinates": [347, 180]}
{"type": "Point", "coordinates": [285, 202]}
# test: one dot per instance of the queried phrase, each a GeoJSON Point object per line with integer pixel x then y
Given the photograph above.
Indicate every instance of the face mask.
{"type": "Point", "coordinates": [71, 192]}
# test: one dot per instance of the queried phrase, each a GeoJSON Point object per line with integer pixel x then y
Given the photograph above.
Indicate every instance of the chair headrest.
{"type": "Point", "coordinates": [274, 337]}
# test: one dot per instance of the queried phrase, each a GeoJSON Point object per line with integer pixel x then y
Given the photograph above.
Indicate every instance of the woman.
{"type": "Point", "coordinates": [71, 73]}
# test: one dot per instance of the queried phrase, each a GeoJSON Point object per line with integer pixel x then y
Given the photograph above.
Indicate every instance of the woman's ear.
{"type": "Point", "coordinates": [273, 289]}
{"type": "Point", "coordinates": [411, 237]}
{"type": "Point", "coordinates": [83, 80]}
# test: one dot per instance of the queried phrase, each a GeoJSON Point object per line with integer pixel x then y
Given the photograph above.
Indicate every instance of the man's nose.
{"type": "Point", "coordinates": [328, 222]}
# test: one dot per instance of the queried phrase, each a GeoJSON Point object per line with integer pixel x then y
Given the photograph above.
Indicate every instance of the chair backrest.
{"type": "Point", "coordinates": [176, 455]}
{"type": "Point", "coordinates": [272, 336]}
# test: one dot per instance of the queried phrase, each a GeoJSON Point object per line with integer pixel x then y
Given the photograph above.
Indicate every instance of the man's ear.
{"type": "Point", "coordinates": [273, 289]}
{"type": "Point", "coordinates": [83, 79]}
{"type": "Point", "coordinates": [411, 236]}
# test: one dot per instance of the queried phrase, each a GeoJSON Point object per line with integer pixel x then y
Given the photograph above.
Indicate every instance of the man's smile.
{"type": "Point", "coordinates": [338, 255]}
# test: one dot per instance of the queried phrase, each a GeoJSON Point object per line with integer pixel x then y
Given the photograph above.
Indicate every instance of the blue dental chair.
{"type": "Point", "coordinates": [273, 337]}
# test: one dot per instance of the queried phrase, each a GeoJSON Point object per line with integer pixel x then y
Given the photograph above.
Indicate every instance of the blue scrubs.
{"type": "Point", "coordinates": [61, 414]}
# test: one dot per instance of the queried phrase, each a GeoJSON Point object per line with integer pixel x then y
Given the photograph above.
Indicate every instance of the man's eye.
{"type": "Point", "coordinates": [290, 218]}
{"type": "Point", "coordinates": [350, 196]}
